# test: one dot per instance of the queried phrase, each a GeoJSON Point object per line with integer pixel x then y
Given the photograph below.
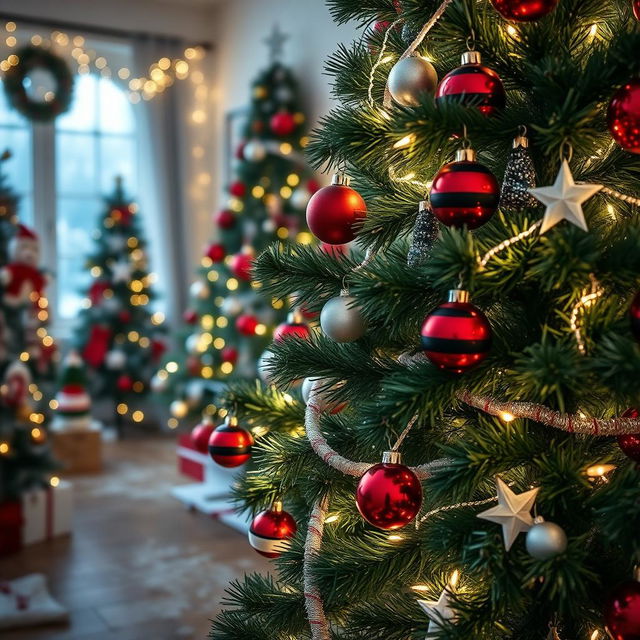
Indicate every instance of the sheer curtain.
{"type": "Point", "coordinates": [163, 164]}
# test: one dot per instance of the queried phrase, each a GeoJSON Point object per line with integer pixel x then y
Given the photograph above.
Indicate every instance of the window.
{"type": "Point", "coordinates": [95, 142]}
{"type": "Point", "coordinates": [92, 143]}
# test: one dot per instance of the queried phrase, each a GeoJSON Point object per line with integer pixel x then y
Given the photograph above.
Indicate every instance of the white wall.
{"type": "Point", "coordinates": [238, 31]}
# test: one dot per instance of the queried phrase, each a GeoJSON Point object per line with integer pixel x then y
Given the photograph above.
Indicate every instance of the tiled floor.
{"type": "Point", "coordinates": [139, 565]}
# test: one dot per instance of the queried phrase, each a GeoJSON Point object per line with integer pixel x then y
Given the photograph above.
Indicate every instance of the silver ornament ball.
{"type": "Point", "coordinates": [254, 151]}
{"type": "Point", "coordinates": [264, 369]}
{"type": "Point", "coordinates": [410, 79]}
{"type": "Point", "coordinates": [545, 540]}
{"type": "Point", "coordinates": [342, 320]}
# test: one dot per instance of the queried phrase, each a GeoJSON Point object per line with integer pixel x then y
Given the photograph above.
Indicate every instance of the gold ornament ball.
{"type": "Point", "coordinates": [410, 79]}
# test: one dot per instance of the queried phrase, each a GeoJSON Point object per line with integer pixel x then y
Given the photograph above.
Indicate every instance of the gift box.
{"type": "Point", "coordinates": [78, 450]}
{"type": "Point", "coordinates": [191, 462]}
{"type": "Point", "coordinates": [40, 514]}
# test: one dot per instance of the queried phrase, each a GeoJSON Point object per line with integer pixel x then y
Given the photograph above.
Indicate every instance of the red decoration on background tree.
{"type": "Point", "coordinates": [122, 215]}
{"type": "Point", "coordinates": [229, 354]}
{"type": "Point", "coordinates": [201, 433]}
{"type": "Point", "coordinates": [190, 316]}
{"type": "Point", "coordinates": [457, 335]}
{"type": "Point", "coordinates": [295, 327]}
{"type": "Point", "coordinates": [389, 495]}
{"type": "Point", "coordinates": [238, 189]}
{"type": "Point", "coordinates": [124, 316]}
{"type": "Point", "coordinates": [225, 219]}
{"type": "Point", "coordinates": [524, 10]}
{"type": "Point", "coordinates": [630, 443]}
{"type": "Point", "coordinates": [229, 444]}
{"type": "Point", "coordinates": [216, 252]}
{"type": "Point", "coordinates": [636, 9]}
{"type": "Point", "coordinates": [95, 351]}
{"type": "Point", "coordinates": [124, 383]}
{"type": "Point", "coordinates": [270, 531]}
{"type": "Point", "coordinates": [246, 324]}
{"type": "Point", "coordinates": [194, 366]}
{"type": "Point", "coordinates": [623, 116]}
{"type": "Point", "coordinates": [158, 349]}
{"type": "Point", "coordinates": [464, 192]}
{"type": "Point", "coordinates": [282, 124]}
{"type": "Point", "coordinates": [333, 211]}
{"type": "Point", "coordinates": [622, 611]}
{"type": "Point", "coordinates": [241, 265]}
{"type": "Point", "coordinates": [473, 84]}
{"type": "Point", "coordinates": [96, 291]}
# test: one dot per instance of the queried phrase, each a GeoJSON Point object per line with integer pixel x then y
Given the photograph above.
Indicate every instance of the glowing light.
{"type": "Point", "coordinates": [455, 576]}
{"type": "Point", "coordinates": [213, 276]}
{"type": "Point", "coordinates": [232, 284]}
{"type": "Point", "coordinates": [293, 179]}
{"type": "Point", "coordinates": [394, 537]}
{"type": "Point", "coordinates": [157, 318]}
{"type": "Point", "coordinates": [219, 343]}
{"type": "Point", "coordinates": [78, 41]}
{"type": "Point", "coordinates": [53, 404]}
{"type": "Point", "coordinates": [122, 409]}
{"type": "Point", "coordinates": [505, 416]}
{"type": "Point", "coordinates": [512, 31]}
{"type": "Point", "coordinates": [24, 356]}
{"type": "Point", "coordinates": [137, 416]}
{"type": "Point", "coordinates": [226, 368]}
{"type": "Point", "coordinates": [286, 192]}
{"type": "Point", "coordinates": [123, 73]}
{"type": "Point", "coordinates": [36, 40]}
{"type": "Point", "coordinates": [304, 237]}
{"type": "Point", "coordinates": [257, 191]}
{"type": "Point", "coordinates": [593, 31]}
{"type": "Point", "coordinates": [54, 481]}
{"type": "Point", "coordinates": [199, 116]}
{"type": "Point", "coordinates": [285, 148]}
{"type": "Point", "coordinates": [182, 68]}
{"type": "Point", "coordinates": [4, 448]}
{"type": "Point", "coordinates": [260, 330]}
{"type": "Point", "coordinates": [36, 433]}
{"type": "Point", "coordinates": [101, 62]}
{"type": "Point", "coordinates": [197, 151]}
{"type": "Point", "coordinates": [172, 423]}
{"type": "Point", "coordinates": [282, 233]}
{"type": "Point", "coordinates": [600, 470]}
{"type": "Point", "coordinates": [207, 372]}
{"type": "Point", "coordinates": [164, 63]}
{"type": "Point", "coordinates": [405, 142]}
{"type": "Point", "coordinates": [222, 322]}
{"type": "Point", "coordinates": [420, 588]}
{"type": "Point", "coordinates": [11, 41]}
{"type": "Point", "coordinates": [171, 367]}
{"type": "Point", "coordinates": [332, 518]}
{"type": "Point", "coordinates": [10, 26]}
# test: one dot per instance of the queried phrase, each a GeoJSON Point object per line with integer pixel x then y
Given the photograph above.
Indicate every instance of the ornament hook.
{"type": "Point", "coordinates": [569, 147]}
{"type": "Point", "coordinates": [522, 130]}
{"type": "Point", "coordinates": [471, 41]}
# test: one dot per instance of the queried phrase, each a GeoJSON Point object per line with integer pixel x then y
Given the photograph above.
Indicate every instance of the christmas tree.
{"type": "Point", "coordinates": [119, 335]}
{"type": "Point", "coordinates": [468, 464]}
{"type": "Point", "coordinates": [27, 354]}
{"type": "Point", "coordinates": [229, 322]}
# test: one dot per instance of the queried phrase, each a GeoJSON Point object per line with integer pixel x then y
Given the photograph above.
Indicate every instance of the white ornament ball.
{"type": "Point", "coordinates": [410, 79]}
{"type": "Point", "coordinates": [195, 392]}
{"type": "Point", "coordinates": [268, 226]}
{"type": "Point", "coordinates": [191, 343]}
{"type": "Point", "coordinates": [178, 408]}
{"type": "Point", "coordinates": [158, 384]}
{"type": "Point", "coordinates": [545, 540]}
{"type": "Point", "coordinates": [199, 289]}
{"type": "Point", "coordinates": [115, 360]}
{"type": "Point", "coordinates": [254, 151]}
{"type": "Point", "coordinates": [341, 319]}
{"type": "Point", "coordinates": [300, 198]}
{"type": "Point", "coordinates": [264, 370]}
{"type": "Point", "coordinates": [231, 306]}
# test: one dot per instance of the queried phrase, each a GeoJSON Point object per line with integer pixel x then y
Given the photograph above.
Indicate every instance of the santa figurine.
{"type": "Point", "coordinates": [23, 281]}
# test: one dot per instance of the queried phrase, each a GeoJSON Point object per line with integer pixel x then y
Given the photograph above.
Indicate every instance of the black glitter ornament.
{"type": "Point", "coordinates": [519, 177]}
{"type": "Point", "coordinates": [425, 233]}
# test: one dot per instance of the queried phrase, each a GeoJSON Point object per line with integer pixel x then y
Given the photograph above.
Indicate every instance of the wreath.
{"type": "Point", "coordinates": [30, 59]}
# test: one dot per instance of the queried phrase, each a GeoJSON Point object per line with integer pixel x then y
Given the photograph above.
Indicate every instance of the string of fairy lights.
{"type": "Point", "coordinates": [160, 74]}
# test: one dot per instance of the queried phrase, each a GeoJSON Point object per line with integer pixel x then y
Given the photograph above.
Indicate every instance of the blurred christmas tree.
{"type": "Point", "coordinates": [27, 354]}
{"type": "Point", "coordinates": [229, 323]}
{"type": "Point", "coordinates": [119, 336]}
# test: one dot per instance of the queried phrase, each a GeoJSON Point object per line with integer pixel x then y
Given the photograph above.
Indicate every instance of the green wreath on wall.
{"type": "Point", "coordinates": [40, 85]}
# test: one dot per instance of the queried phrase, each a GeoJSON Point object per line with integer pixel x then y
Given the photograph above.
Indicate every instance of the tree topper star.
{"type": "Point", "coordinates": [564, 199]}
{"type": "Point", "coordinates": [438, 611]}
{"type": "Point", "coordinates": [512, 512]}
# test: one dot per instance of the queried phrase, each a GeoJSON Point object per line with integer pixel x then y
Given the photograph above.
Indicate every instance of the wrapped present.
{"type": "Point", "coordinates": [47, 512]}
{"type": "Point", "coordinates": [78, 450]}
{"type": "Point", "coordinates": [11, 521]}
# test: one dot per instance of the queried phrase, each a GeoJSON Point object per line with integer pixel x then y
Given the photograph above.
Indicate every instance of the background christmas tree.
{"type": "Point", "coordinates": [505, 405]}
{"type": "Point", "coordinates": [27, 354]}
{"type": "Point", "coordinates": [229, 323]}
{"type": "Point", "coordinates": [119, 335]}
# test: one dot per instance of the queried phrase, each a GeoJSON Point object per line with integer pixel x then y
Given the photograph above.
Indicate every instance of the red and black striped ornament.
{"type": "Point", "coordinates": [457, 335]}
{"type": "Point", "coordinates": [229, 444]}
{"type": "Point", "coordinates": [271, 531]}
{"type": "Point", "coordinates": [464, 192]}
{"type": "Point", "coordinates": [201, 433]}
{"type": "Point", "coordinates": [474, 85]}
{"type": "Point", "coordinates": [294, 327]}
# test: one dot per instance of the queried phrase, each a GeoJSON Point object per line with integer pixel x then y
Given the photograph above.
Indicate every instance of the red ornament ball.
{"type": "Point", "coordinates": [194, 366]}
{"type": "Point", "coordinates": [229, 354]}
{"type": "Point", "coordinates": [190, 316]}
{"type": "Point", "coordinates": [524, 10]}
{"type": "Point", "coordinates": [200, 435]}
{"type": "Point", "coordinates": [636, 9]}
{"type": "Point", "coordinates": [473, 84]}
{"type": "Point", "coordinates": [225, 219]}
{"type": "Point", "coordinates": [457, 335]}
{"type": "Point", "coordinates": [464, 192]}
{"type": "Point", "coordinates": [622, 611]}
{"type": "Point", "coordinates": [239, 154]}
{"type": "Point", "coordinates": [124, 316]}
{"type": "Point", "coordinates": [241, 265]}
{"type": "Point", "coordinates": [282, 124]}
{"type": "Point", "coordinates": [630, 443]}
{"type": "Point", "coordinates": [230, 445]}
{"type": "Point", "coordinates": [246, 324]}
{"type": "Point", "coordinates": [216, 252]}
{"type": "Point", "coordinates": [124, 383]}
{"type": "Point", "coordinates": [238, 189]}
{"type": "Point", "coordinates": [333, 211]}
{"type": "Point", "coordinates": [291, 330]}
{"type": "Point", "coordinates": [623, 116]}
{"type": "Point", "coordinates": [389, 495]}
{"type": "Point", "coordinates": [271, 531]}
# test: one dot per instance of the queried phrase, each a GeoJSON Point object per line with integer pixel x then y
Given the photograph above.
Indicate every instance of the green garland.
{"type": "Point", "coordinates": [31, 58]}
